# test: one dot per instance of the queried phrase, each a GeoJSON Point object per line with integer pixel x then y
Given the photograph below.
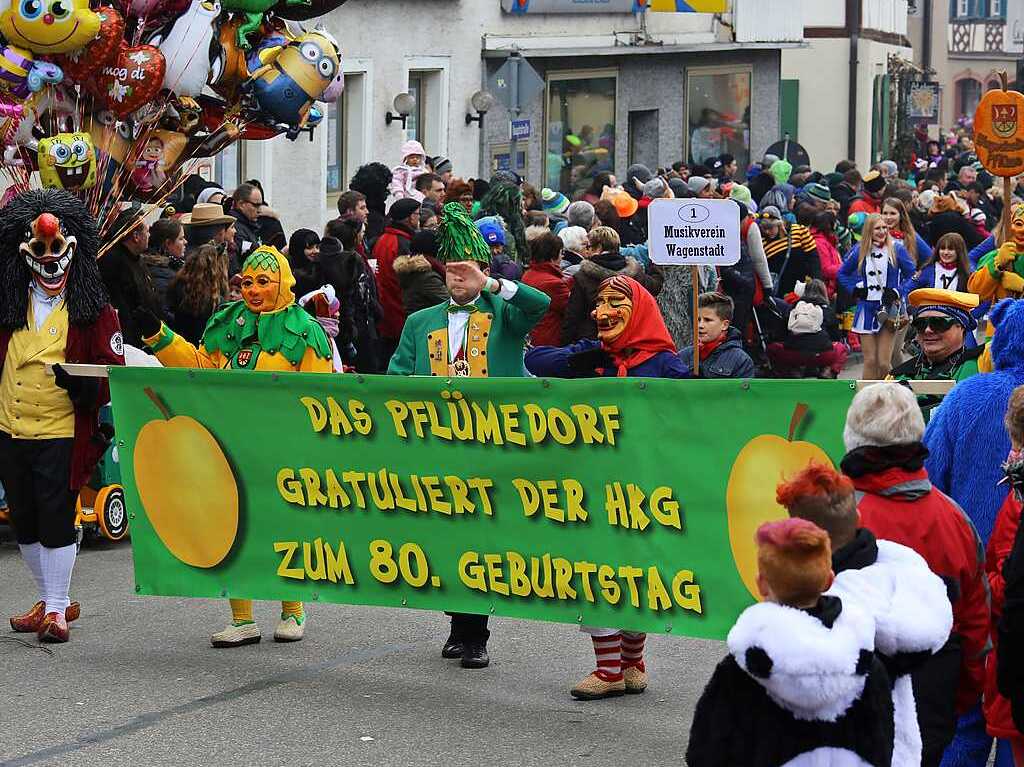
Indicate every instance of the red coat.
{"type": "Point", "coordinates": [902, 506]}
{"type": "Point", "coordinates": [94, 344]}
{"type": "Point", "coordinates": [865, 204]}
{"type": "Point", "coordinates": [998, 718]}
{"type": "Point", "coordinates": [394, 242]}
{"type": "Point", "coordinates": [547, 277]}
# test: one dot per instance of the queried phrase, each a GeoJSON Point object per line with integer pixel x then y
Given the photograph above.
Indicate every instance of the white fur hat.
{"type": "Point", "coordinates": [883, 414]}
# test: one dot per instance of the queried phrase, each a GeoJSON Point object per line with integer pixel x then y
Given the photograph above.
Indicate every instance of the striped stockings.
{"type": "Point", "coordinates": [633, 650]}
{"type": "Point", "coordinates": [608, 650]}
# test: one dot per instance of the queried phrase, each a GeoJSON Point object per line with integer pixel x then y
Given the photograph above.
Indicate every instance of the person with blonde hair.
{"type": "Point", "coordinates": [872, 273]}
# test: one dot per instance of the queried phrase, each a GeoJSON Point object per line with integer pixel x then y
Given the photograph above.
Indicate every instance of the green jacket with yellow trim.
{"type": "Point", "coordinates": [495, 336]}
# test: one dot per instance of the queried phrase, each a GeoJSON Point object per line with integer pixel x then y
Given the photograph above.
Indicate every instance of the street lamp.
{"type": "Point", "coordinates": [404, 104]}
{"type": "Point", "coordinates": [483, 102]}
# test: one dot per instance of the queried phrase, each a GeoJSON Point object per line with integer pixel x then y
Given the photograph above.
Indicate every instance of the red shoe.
{"type": "Point", "coordinates": [54, 628]}
{"type": "Point", "coordinates": [28, 623]}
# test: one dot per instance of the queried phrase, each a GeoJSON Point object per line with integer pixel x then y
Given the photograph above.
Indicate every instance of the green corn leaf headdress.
{"type": "Point", "coordinates": [458, 239]}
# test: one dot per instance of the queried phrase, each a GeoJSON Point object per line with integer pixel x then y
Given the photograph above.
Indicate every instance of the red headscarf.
{"type": "Point", "coordinates": [645, 335]}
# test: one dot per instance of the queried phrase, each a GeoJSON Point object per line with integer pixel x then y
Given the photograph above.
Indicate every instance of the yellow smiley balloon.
{"type": "Point", "coordinates": [49, 26]}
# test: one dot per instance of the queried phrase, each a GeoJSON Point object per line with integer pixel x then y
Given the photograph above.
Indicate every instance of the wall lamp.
{"type": "Point", "coordinates": [483, 102]}
{"type": "Point", "coordinates": [404, 105]}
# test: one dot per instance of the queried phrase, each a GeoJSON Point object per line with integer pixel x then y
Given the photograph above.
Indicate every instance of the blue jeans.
{"type": "Point", "coordinates": [972, 745]}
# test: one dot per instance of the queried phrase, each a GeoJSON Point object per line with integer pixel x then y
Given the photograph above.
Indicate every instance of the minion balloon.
{"type": "Point", "coordinates": [49, 26]}
{"type": "Point", "coordinates": [286, 87]}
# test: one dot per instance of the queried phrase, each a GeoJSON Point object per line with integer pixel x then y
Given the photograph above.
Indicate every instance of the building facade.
{"type": "Point", "coordinates": [615, 87]}
{"type": "Point", "coordinates": [834, 89]}
{"type": "Point", "coordinates": [968, 43]}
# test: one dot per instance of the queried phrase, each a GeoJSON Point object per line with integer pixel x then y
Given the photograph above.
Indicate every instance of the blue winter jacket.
{"type": "Point", "coordinates": [729, 360]}
{"type": "Point", "coordinates": [553, 362]}
{"type": "Point", "coordinates": [849, 275]}
{"type": "Point", "coordinates": [966, 436]}
{"type": "Point", "coordinates": [987, 246]}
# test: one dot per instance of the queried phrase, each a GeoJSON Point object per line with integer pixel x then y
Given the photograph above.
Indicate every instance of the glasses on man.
{"type": "Point", "coordinates": [937, 324]}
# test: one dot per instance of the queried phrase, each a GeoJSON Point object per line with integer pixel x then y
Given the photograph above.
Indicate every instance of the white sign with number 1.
{"type": "Point", "coordinates": [693, 232]}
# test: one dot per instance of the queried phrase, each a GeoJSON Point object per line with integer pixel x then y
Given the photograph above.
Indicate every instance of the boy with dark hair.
{"type": "Point", "coordinates": [913, 616]}
{"type": "Point", "coordinates": [720, 345]}
{"type": "Point", "coordinates": [802, 684]}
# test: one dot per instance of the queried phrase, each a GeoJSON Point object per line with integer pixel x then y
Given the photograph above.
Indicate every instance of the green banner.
{"type": "Point", "coordinates": [607, 502]}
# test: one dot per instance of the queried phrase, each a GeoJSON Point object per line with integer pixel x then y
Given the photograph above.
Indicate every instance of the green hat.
{"type": "Point", "coordinates": [780, 171]}
{"type": "Point", "coordinates": [458, 239]}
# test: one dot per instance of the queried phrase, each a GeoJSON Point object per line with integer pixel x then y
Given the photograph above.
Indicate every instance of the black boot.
{"type": "Point", "coordinates": [474, 654]}
{"type": "Point", "coordinates": [452, 647]}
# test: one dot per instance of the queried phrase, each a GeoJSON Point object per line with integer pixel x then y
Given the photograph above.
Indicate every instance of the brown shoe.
{"type": "Point", "coordinates": [634, 679]}
{"type": "Point", "coordinates": [596, 688]}
{"type": "Point", "coordinates": [29, 623]}
{"type": "Point", "coordinates": [54, 628]}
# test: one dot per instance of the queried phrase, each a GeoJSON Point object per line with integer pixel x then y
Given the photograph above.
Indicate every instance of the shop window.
{"type": "Point", "coordinates": [968, 95]}
{"type": "Point", "coordinates": [580, 129]}
{"type": "Point", "coordinates": [229, 166]}
{"type": "Point", "coordinates": [336, 145]}
{"type": "Point", "coordinates": [718, 115]}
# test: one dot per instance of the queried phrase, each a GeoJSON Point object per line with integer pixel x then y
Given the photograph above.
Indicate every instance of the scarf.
{"type": "Point", "coordinates": [645, 334]}
{"type": "Point", "coordinates": [876, 459]}
{"type": "Point", "coordinates": [707, 349]}
{"type": "Point", "coordinates": [1013, 469]}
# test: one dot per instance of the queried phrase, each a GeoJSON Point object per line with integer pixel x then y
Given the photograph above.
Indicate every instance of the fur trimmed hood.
{"type": "Point", "coordinates": [908, 601]}
{"type": "Point", "coordinates": [594, 273]}
{"type": "Point", "coordinates": [410, 264]}
{"type": "Point", "coordinates": [813, 670]}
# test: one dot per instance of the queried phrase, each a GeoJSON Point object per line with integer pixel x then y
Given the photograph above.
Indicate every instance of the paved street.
{"type": "Point", "coordinates": [139, 684]}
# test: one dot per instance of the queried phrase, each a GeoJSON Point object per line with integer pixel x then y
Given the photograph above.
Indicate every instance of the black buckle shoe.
{"type": "Point", "coordinates": [452, 647]}
{"type": "Point", "coordinates": [474, 655]}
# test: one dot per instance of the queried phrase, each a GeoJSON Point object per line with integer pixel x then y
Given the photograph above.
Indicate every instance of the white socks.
{"type": "Point", "coordinates": [56, 567]}
{"type": "Point", "coordinates": [31, 553]}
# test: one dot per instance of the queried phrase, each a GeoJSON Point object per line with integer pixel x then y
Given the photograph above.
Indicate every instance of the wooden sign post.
{"type": "Point", "coordinates": [999, 140]}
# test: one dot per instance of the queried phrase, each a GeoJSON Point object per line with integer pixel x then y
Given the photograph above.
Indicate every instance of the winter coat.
{"type": "Point", "coordinates": [829, 256]}
{"type": "Point", "coordinates": [799, 687]}
{"type": "Point", "coordinates": [578, 323]}
{"type": "Point", "coordinates": [1007, 658]}
{"type": "Point", "coordinates": [913, 620]}
{"type": "Point", "coordinates": [421, 283]}
{"type": "Point", "coordinates": [162, 271]}
{"type": "Point", "coordinates": [553, 362]}
{"type": "Point", "coordinates": [394, 242]}
{"type": "Point", "coordinates": [966, 438]}
{"type": "Point", "coordinates": [805, 318]}
{"type": "Point", "coordinates": [547, 277]}
{"type": "Point", "coordinates": [403, 183]}
{"type": "Point", "coordinates": [898, 503]}
{"type": "Point", "coordinates": [247, 238]}
{"type": "Point", "coordinates": [802, 260]}
{"type": "Point", "coordinates": [844, 194]}
{"type": "Point", "coordinates": [953, 221]}
{"type": "Point", "coordinates": [864, 204]}
{"type": "Point", "coordinates": [729, 360]}
{"type": "Point", "coordinates": [130, 287]}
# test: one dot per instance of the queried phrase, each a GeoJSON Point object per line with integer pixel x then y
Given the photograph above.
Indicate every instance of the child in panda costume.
{"type": "Point", "coordinates": [801, 686]}
{"type": "Point", "coordinates": [910, 605]}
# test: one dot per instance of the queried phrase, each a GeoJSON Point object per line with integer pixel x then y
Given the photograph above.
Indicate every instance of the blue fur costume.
{"type": "Point", "coordinates": [968, 444]}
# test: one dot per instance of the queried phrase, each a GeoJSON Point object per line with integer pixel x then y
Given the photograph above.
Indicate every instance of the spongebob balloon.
{"type": "Point", "coordinates": [286, 86]}
{"type": "Point", "coordinates": [67, 161]}
{"type": "Point", "coordinates": [49, 26]}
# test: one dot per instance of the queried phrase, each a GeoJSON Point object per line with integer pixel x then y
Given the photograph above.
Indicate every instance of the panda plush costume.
{"type": "Point", "coordinates": [913, 621]}
{"type": "Point", "coordinates": [799, 688]}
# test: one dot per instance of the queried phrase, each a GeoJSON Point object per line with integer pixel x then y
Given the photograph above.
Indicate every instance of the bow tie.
{"type": "Point", "coordinates": [456, 309]}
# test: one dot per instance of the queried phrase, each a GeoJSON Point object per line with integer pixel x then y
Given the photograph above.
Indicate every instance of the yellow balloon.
{"type": "Point", "coordinates": [187, 489]}
{"type": "Point", "coordinates": [49, 26]}
{"type": "Point", "coordinates": [750, 497]}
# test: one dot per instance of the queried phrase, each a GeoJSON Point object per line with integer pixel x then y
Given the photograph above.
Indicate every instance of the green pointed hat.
{"type": "Point", "coordinates": [458, 238]}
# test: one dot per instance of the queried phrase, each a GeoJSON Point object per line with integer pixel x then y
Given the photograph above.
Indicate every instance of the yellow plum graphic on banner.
{"type": "Point", "coordinates": [750, 498]}
{"type": "Point", "coordinates": [187, 487]}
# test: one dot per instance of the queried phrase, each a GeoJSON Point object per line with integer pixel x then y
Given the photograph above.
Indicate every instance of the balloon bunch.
{"type": "Point", "coordinates": [116, 102]}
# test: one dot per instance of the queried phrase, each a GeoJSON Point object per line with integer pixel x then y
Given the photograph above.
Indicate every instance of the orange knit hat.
{"type": "Point", "coordinates": [794, 557]}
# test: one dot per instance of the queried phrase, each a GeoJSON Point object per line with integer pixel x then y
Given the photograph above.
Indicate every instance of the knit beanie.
{"type": "Point", "coordinates": [781, 171]}
{"type": "Point", "coordinates": [552, 202]}
{"type": "Point", "coordinates": [403, 208]}
{"type": "Point", "coordinates": [423, 243]}
{"type": "Point", "coordinates": [655, 188]}
{"type": "Point", "coordinates": [818, 192]}
{"type": "Point", "coordinates": [741, 193]}
{"type": "Point", "coordinates": [458, 239]}
{"type": "Point", "coordinates": [794, 556]}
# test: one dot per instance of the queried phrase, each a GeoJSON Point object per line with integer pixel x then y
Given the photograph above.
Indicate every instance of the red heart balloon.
{"type": "Point", "coordinates": [132, 78]}
{"type": "Point", "coordinates": [83, 64]}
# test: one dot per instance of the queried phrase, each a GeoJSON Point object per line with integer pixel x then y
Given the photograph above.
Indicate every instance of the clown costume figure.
{"type": "Point", "coordinates": [266, 330]}
{"type": "Point", "coordinates": [54, 310]}
{"type": "Point", "coordinates": [632, 341]}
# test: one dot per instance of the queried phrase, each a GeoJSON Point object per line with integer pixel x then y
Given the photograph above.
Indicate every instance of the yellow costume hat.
{"type": "Point", "coordinates": [269, 260]}
{"type": "Point", "coordinates": [952, 303]}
